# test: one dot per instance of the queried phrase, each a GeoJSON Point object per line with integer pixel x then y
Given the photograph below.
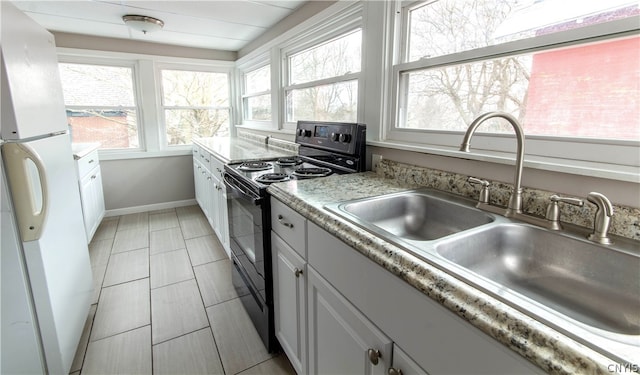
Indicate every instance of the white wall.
{"type": "Point", "coordinates": [95, 43]}
{"type": "Point", "coordinates": [149, 181]}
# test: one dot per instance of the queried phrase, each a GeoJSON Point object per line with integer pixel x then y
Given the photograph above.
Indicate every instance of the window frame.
{"type": "Point", "coordinates": [350, 22]}
{"type": "Point", "coordinates": [254, 65]}
{"type": "Point", "coordinates": [147, 85]}
{"type": "Point", "coordinates": [118, 63]}
{"type": "Point", "coordinates": [159, 67]}
{"type": "Point", "coordinates": [615, 158]}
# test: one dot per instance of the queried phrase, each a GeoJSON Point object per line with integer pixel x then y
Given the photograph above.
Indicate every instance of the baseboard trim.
{"type": "Point", "coordinates": [149, 207]}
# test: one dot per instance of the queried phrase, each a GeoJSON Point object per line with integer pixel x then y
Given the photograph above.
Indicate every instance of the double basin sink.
{"type": "Point", "coordinates": [588, 291]}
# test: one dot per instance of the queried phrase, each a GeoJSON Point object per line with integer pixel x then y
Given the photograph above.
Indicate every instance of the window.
{"type": "Point", "coordinates": [256, 101]}
{"type": "Point", "coordinates": [101, 105]}
{"type": "Point", "coordinates": [322, 80]}
{"type": "Point", "coordinates": [195, 104]}
{"type": "Point", "coordinates": [566, 70]}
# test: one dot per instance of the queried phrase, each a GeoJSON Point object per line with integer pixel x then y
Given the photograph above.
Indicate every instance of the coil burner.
{"type": "Point", "coordinates": [289, 161]}
{"type": "Point", "coordinates": [270, 178]}
{"type": "Point", "coordinates": [255, 166]}
{"type": "Point", "coordinates": [311, 172]}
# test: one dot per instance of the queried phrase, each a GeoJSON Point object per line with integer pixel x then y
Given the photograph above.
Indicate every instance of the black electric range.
{"type": "Point", "coordinates": [325, 148]}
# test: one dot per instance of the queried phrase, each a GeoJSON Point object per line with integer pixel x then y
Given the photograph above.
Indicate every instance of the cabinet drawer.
{"type": "Point", "coordinates": [290, 226]}
{"type": "Point", "coordinates": [87, 163]}
{"type": "Point", "coordinates": [217, 167]}
{"type": "Point", "coordinates": [205, 158]}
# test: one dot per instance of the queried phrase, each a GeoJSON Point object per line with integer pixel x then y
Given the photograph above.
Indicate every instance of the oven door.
{"type": "Point", "coordinates": [248, 220]}
{"type": "Point", "coordinates": [247, 210]}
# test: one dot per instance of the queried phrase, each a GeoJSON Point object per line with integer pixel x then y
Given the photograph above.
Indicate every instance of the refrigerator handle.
{"type": "Point", "coordinates": [30, 218]}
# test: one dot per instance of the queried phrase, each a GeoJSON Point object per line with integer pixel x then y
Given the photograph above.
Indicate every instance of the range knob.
{"type": "Point", "coordinates": [304, 133]}
{"type": "Point", "coordinates": [335, 136]}
{"type": "Point", "coordinates": [344, 138]}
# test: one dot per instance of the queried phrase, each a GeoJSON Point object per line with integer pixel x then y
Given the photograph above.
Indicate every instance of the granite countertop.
{"type": "Point", "coordinates": [233, 150]}
{"type": "Point", "coordinates": [547, 348]}
{"type": "Point", "coordinates": [81, 150]}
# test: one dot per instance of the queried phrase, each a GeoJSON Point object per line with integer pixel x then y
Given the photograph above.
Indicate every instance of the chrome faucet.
{"type": "Point", "coordinates": [602, 220]}
{"type": "Point", "coordinates": [515, 201]}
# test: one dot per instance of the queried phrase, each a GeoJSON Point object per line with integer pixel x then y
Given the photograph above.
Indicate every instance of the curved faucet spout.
{"type": "Point", "coordinates": [515, 202]}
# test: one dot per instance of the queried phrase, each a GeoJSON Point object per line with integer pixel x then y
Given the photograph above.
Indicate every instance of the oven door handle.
{"type": "Point", "coordinates": [238, 190]}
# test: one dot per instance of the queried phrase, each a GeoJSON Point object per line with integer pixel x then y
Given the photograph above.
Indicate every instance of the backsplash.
{"type": "Point", "coordinates": [625, 221]}
{"type": "Point", "coordinates": [253, 137]}
{"type": "Point", "coordinates": [286, 145]}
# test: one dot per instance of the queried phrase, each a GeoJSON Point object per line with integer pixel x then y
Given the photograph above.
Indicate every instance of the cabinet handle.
{"type": "Point", "coordinates": [93, 177]}
{"type": "Point", "coordinates": [219, 187]}
{"type": "Point", "coordinates": [209, 179]}
{"type": "Point", "coordinates": [286, 224]}
{"type": "Point", "coordinates": [374, 356]}
{"type": "Point", "coordinates": [91, 161]}
{"type": "Point", "coordinates": [297, 272]}
{"type": "Point", "coordinates": [219, 170]}
{"type": "Point", "coordinates": [393, 371]}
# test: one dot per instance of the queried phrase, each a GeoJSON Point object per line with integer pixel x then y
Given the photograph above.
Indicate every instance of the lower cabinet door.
{"type": "Point", "coordinates": [341, 339]}
{"type": "Point", "coordinates": [403, 364]}
{"type": "Point", "coordinates": [289, 292]}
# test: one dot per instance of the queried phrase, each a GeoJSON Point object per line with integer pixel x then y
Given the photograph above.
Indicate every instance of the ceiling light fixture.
{"type": "Point", "coordinates": [145, 24]}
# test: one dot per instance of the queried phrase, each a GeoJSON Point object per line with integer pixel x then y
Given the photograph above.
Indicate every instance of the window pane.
{"type": "Point", "coordinates": [112, 128]}
{"type": "Point", "coordinates": [184, 124]}
{"type": "Point", "coordinates": [585, 91]}
{"type": "Point", "coordinates": [195, 89]}
{"type": "Point", "coordinates": [258, 80]}
{"type": "Point", "coordinates": [334, 58]}
{"type": "Point", "coordinates": [95, 85]}
{"type": "Point", "coordinates": [100, 104]}
{"type": "Point", "coordinates": [335, 102]}
{"type": "Point", "coordinates": [447, 26]}
{"type": "Point", "coordinates": [258, 108]}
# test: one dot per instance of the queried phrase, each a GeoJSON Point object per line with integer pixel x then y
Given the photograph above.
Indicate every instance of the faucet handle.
{"type": "Point", "coordinates": [553, 209]}
{"type": "Point", "coordinates": [484, 192]}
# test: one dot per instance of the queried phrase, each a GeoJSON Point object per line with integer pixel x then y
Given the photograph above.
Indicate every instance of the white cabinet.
{"type": "Point", "coordinates": [403, 364]}
{"type": "Point", "coordinates": [91, 192]}
{"type": "Point", "coordinates": [341, 339]}
{"type": "Point", "coordinates": [290, 302]}
{"type": "Point", "coordinates": [288, 248]}
{"type": "Point", "coordinates": [211, 193]}
{"type": "Point", "coordinates": [433, 339]}
{"type": "Point", "coordinates": [219, 214]}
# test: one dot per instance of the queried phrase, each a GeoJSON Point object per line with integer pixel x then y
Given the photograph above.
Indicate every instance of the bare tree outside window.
{"type": "Point", "coordinates": [257, 94]}
{"type": "Point", "coordinates": [196, 104]}
{"type": "Point", "coordinates": [324, 77]}
{"type": "Point", "coordinates": [449, 98]}
{"type": "Point", "coordinates": [587, 90]}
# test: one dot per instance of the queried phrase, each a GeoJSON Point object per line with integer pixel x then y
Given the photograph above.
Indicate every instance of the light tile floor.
{"type": "Point", "coordinates": [164, 302]}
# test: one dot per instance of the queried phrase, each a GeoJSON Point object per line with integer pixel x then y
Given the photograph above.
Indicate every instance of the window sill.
{"type": "Point", "coordinates": [577, 167]}
{"type": "Point", "coordinates": [138, 154]}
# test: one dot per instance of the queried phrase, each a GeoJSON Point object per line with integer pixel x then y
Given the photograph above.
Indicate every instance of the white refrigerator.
{"type": "Point", "coordinates": [45, 273]}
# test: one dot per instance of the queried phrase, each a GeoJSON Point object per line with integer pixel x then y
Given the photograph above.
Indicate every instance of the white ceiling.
{"type": "Point", "coordinates": [213, 24]}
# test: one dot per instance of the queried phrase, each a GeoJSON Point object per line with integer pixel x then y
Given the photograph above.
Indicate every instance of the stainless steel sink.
{"type": "Point", "coordinates": [597, 287]}
{"type": "Point", "coordinates": [589, 291]}
{"type": "Point", "coordinates": [415, 215]}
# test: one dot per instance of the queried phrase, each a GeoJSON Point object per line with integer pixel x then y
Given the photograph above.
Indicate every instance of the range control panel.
{"type": "Point", "coordinates": [347, 138]}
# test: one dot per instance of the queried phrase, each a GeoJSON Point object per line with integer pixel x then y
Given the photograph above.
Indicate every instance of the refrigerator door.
{"type": "Point", "coordinates": [57, 258]}
{"type": "Point", "coordinates": [20, 339]}
{"type": "Point", "coordinates": [30, 78]}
